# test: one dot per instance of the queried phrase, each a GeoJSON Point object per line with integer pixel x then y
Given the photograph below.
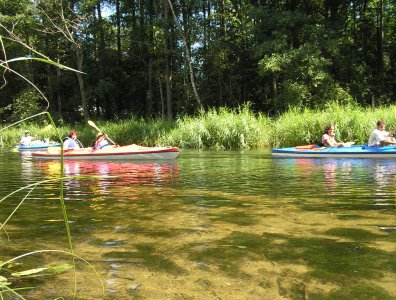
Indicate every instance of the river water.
{"type": "Point", "coordinates": [208, 225]}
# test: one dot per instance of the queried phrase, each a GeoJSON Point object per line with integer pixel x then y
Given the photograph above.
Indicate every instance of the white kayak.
{"type": "Point", "coordinates": [129, 152]}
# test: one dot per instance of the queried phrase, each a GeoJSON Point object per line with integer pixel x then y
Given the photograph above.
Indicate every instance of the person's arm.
{"type": "Point", "coordinates": [387, 141]}
{"type": "Point", "coordinates": [392, 132]}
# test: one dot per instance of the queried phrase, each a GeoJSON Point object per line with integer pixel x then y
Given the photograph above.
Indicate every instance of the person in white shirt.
{"type": "Point", "coordinates": [26, 140]}
{"type": "Point", "coordinates": [328, 137]}
{"type": "Point", "coordinates": [380, 137]}
{"type": "Point", "coordinates": [71, 143]}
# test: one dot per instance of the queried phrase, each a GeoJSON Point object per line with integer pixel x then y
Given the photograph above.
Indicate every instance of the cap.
{"type": "Point", "coordinates": [26, 131]}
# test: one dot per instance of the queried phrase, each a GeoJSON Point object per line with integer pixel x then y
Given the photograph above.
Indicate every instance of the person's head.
{"type": "Point", "coordinates": [26, 132]}
{"type": "Point", "coordinates": [100, 136]}
{"type": "Point", "coordinates": [381, 125]}
{"type": "Point", "coordinates": [329, 129]}
{"type": "Point", "coordinates": [72, 134]}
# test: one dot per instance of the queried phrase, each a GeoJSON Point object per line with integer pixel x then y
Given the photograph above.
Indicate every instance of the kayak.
{"type": "Point", "coordinates": [109, 153]}
{"type": "Point", "coordinates": [357, 151]}
{"type": "Point", "coordinates": [36, 146]}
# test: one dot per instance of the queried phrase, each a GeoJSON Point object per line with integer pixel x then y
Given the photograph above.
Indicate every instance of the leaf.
{"type": "Point", "coordinates": [48, 61]}
{"type": "Point", "coordinates": [4, 281]}
{"type": "Point", "coordinates": [28, 272]}
{"type": "Point", "coordinates": [60, 269]}
{"type": "Point", "coordinates": [49, 270]}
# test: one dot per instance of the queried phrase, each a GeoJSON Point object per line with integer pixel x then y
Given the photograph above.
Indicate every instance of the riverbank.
{"type": "Point", "coordinates": [228, 129]}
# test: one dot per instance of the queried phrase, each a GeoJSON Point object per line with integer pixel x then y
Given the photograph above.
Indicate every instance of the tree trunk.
{"type": "Point", "coordinates": [274, 85]}
{"type": "Point", "coordinates": [380, 47]}
{"type": "Point", "coordinates": [150, 88]}
{"type": "Point", "coordinates": [84, 104]}
{"type": "Point", "coordinates": [204, 27]}
{"type": "Point", "coordinates": [58, 90]}
{"type": "Point", "coordinates": [222, 18]}
{"type": "Point", "coordinates": [103, 95]}
{"type": "Point", "coordinates": [150, 60]}
{"type": "Point", "coordinates": [220, 85]}
{"type": "Point", "coordinates": [162, 99]}
{"type": "Point", "coordinates": [118, 24]}
{"type": "Point", "coordinates": [168, 70]}
{"type": "Point", "coordinates": [188, 56]}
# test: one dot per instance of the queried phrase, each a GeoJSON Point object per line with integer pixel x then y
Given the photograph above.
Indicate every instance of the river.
{"type": "Point", "coordinates": [208, 225]}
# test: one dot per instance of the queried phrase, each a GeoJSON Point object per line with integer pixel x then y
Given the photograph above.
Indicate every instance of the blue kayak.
{"type": "Point", "coordinates": [356, 151]}
{"type": "Point", "coordinates": [37, 146]}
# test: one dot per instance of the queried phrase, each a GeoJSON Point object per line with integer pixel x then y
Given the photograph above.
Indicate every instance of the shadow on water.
{"type": "Point", "coordinates": [216, 225]}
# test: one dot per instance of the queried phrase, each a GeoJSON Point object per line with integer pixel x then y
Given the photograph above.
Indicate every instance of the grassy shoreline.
{"type": "Point", "coordinates": [224, 128]}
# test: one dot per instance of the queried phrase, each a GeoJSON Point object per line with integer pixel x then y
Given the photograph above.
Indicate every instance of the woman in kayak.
{"type": "Point", "coordinates": [328, 138]}
{"type": "Point", "coordinates": [71, 142]}
{"type": "Point", "coordinates": [101, 141]}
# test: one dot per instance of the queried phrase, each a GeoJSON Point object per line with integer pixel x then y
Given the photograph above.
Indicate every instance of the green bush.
{"type": "Point", "coordinates": [27, 104]}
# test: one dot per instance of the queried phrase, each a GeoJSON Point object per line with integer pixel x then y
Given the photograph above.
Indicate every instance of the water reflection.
{"type": "Point", "coordinates": [342, 177]}
{"type": "Point", "coordinates": [109, 177]}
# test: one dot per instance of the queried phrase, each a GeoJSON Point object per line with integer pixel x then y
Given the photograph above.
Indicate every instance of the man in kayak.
{"type": "Point", "coordinates": [71, 142]}
{"type": "Point", "coordinates": [380, 137]}
{"type": "Point", "coordinates": [26, 140]}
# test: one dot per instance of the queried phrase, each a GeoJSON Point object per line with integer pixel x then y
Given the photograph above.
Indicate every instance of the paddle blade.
{"type": "Point", "coordinates": [93, 125]}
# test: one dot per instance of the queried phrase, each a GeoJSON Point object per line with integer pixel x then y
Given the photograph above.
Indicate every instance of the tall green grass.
{"type": "Point", "coordinates": [225, 128]}
{"type": "Point", "coordinates": [220, 129]}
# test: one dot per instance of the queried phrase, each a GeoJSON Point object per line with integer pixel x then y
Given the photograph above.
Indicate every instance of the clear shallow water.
{"type": "Point", "coordinates": [209, 225]}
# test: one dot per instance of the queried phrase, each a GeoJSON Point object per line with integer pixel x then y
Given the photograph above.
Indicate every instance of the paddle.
{"type": "Point", "coordinates": [98, 129]}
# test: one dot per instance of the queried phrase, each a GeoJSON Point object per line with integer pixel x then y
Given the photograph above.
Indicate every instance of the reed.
{"type": "Point", "coordinates": [225, 128]}
{"type": "Point", "coordinates": [221, 128]}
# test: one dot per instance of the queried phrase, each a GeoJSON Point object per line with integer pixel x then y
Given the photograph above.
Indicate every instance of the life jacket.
{"type": "Point", "coordinates": [77, 142]}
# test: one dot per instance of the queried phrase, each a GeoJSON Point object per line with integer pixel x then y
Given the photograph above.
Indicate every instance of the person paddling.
{"type": "Point", "coordinates": [101, 141]}
{"type": "Point", "coordinates": [380, 137]}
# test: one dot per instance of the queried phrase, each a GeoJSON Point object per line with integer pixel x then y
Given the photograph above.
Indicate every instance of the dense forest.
{"type": "Point", "coordinates": [166, 58]}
